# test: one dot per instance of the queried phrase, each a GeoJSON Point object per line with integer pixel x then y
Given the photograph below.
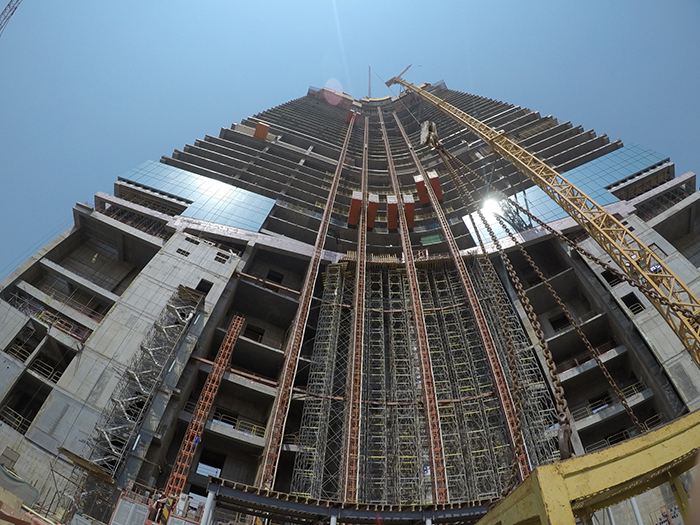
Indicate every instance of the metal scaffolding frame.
{"type": "Point", "coordinates": [538, 412]}
{"type": "Point", "coordinates": [355, 359]}
{"type": "Point", "coordinates": [394, 465]}
{"type": "Point", "coordinates": [280, 409]}
{"type": "Point", "coordinates": [198, 420]}
{"type": "Point", "coordinates": [49, 316]}
{"type": "Point", "coordinates": [318, 464]}
{"type": "Point", "coordinates": [409, 442]}
{"type": "Point", "coordinates": [432, 281]}
{"type": "Point", "coordinates": [121, 419]}
{"type": "Point", "coordinates": [375, 479]}
{"type": "Point", "coordinates": [136, 220]}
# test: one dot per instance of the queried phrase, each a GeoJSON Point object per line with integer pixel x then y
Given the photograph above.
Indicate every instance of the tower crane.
{"type": "Point", "coordinates": [671, 297]}
{"type": "Point", "coordinates": [7, 13]}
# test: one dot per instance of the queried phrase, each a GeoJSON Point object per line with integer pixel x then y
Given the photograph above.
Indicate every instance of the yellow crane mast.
{"type": "Point", "coordinates": [671, 297]}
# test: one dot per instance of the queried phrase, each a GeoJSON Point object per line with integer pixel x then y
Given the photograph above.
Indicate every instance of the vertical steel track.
{"type": "Point", "coordinates": [354, 394]}
{"type": "Point", "coordinates": [504, 394]}
{"type": "Point", "coordinates": [183, 463]}
{"type": "Point", "coordinates": [437, 459]}
{"type": "Point", "coordinates": [280, 408]}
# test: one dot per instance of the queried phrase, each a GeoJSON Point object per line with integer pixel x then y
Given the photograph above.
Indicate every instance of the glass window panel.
{"type": "Point", "coordinates": [212, 200]}
{"type": "Point", "coordinates": [591, 178]}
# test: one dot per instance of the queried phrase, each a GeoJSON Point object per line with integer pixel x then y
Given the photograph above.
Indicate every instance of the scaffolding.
{"type": "Point", "coordinates": [136, 220]}
{"type": "Point", "coordinates": [395, 465]}
{"type": "Point", "coordinates": [374, 486]}
{"type": "Point", "coordinates": [200, 415]}
{"type": "Point", "coordinates": [48, 316]}
{"type": "Point", "coordinates": [539, 418]}
{"type": "Point", "coordinates": [436, 469]}
{"type": "Point", "coordinates": [504, 391]}
{"type": "Point", "coordinates": [409, 462]}
{"type": "Point", "coordinates": [278, 417]}
{"type": "Point", "coordinates": [433, 281]}
{"type": "Point", "coordinates": [317, 465]}
{"type": "Point", "coordinates": [121, 419]}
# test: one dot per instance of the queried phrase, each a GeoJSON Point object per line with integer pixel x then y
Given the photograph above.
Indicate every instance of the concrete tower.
{"type": "Point", "coordinates": [385, 355]}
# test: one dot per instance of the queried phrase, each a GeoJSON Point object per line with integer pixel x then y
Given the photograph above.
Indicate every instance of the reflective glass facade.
{"type": "Point", "coordinates": [211, 199]}
{"type": "Point", "coordinates": [592, 178]}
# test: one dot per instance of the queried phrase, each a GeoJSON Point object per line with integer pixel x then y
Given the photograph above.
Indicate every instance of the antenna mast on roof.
{"type": "Point", "coordinates": [369, 82]}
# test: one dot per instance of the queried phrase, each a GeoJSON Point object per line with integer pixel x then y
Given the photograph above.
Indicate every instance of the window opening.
{"type": "Point", "coordinates": [254, 333]}
{"type": "Point", "coordinates": [23, 402]}
{"type": "Point", "coordinates": [611, 278]}
{"type": "Point", "coordinates": [52, 360]}
{"type": "Point", "coordinates": [221, 257]}
{"type": "Point", "coordinates": [183, 252]}
{"type": "Point", "coordinates": [275, 276]}
{"type": "Point", "coordinates": [633, 303]}
{"type": "Point", "coordinates": [24, 343]}
{"type": "Point", "coordinates": [210, 463]}
{"type": "Point", "coordinates": [560, 322]}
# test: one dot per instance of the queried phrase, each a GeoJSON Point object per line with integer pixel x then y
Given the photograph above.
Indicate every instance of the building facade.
{"type": "Point", "coordinates": [386, 356]}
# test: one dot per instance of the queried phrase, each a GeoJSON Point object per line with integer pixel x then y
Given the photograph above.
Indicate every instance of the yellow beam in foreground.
{"type": "Point", "coordinates": [557, 494]}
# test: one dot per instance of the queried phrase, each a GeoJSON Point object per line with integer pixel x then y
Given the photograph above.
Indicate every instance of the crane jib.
{"type": "Point", "coordinates": [671, 297]}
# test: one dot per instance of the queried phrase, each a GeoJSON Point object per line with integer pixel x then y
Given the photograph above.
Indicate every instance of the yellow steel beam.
{"type": "Point", "coordinates": [629, 253]}
{"type": "Point", "coordinates": [559, 493]}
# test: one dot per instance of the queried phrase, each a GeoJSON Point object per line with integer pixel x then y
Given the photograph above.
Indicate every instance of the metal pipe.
{"type": "Point", "coordinates": [208, 508]}
{"type": "Point", "coordinates": [637, 514]}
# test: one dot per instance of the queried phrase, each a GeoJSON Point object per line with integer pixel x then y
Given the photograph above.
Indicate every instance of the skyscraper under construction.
{"type": "Point", "coordinates": [356, 301]}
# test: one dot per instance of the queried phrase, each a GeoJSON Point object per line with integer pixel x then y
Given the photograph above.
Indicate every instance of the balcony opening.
{"type": "Point", "coordinates": [73, 296]}
{"type": "Point", "coordinates": [23, 402]}
{"type": "Point", "coordinates": [599, 400]}
{"type": "Point", "coordinates": [32, 307]}
{"type": "Point", "coordinates": [52, 360]}
{"type": "Point", "coordinates": [633, 303]}
{"type": "Point", "coordinates": [26, 341]}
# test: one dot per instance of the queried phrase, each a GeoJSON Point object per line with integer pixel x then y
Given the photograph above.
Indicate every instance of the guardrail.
{"type": "Point", "coordinates": [247, 426]}
{"type": "Point", "coordinates": [45, 369]}
{"type": "Point", "coordinates": [593, 408]}
{"type": "Point", "coordinates": [653, 422]}
{"type": "Point", "coordinates": [14, 419]}
{"type": "Point", "coordinates": [21, 352]}
{"type": "Point", "coordinates": [584, 357]}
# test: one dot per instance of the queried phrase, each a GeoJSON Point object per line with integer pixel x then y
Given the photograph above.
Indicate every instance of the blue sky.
{"type": "Point", "coordinates": [89, 90]}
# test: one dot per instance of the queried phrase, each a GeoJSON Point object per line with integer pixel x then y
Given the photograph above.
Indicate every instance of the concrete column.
{"type": "Point", "coordinates": [208, 508]}
{"type": "Point", "coordinates": [334, 520]}
{"type": "Point", "coordinates": [428, 521]}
